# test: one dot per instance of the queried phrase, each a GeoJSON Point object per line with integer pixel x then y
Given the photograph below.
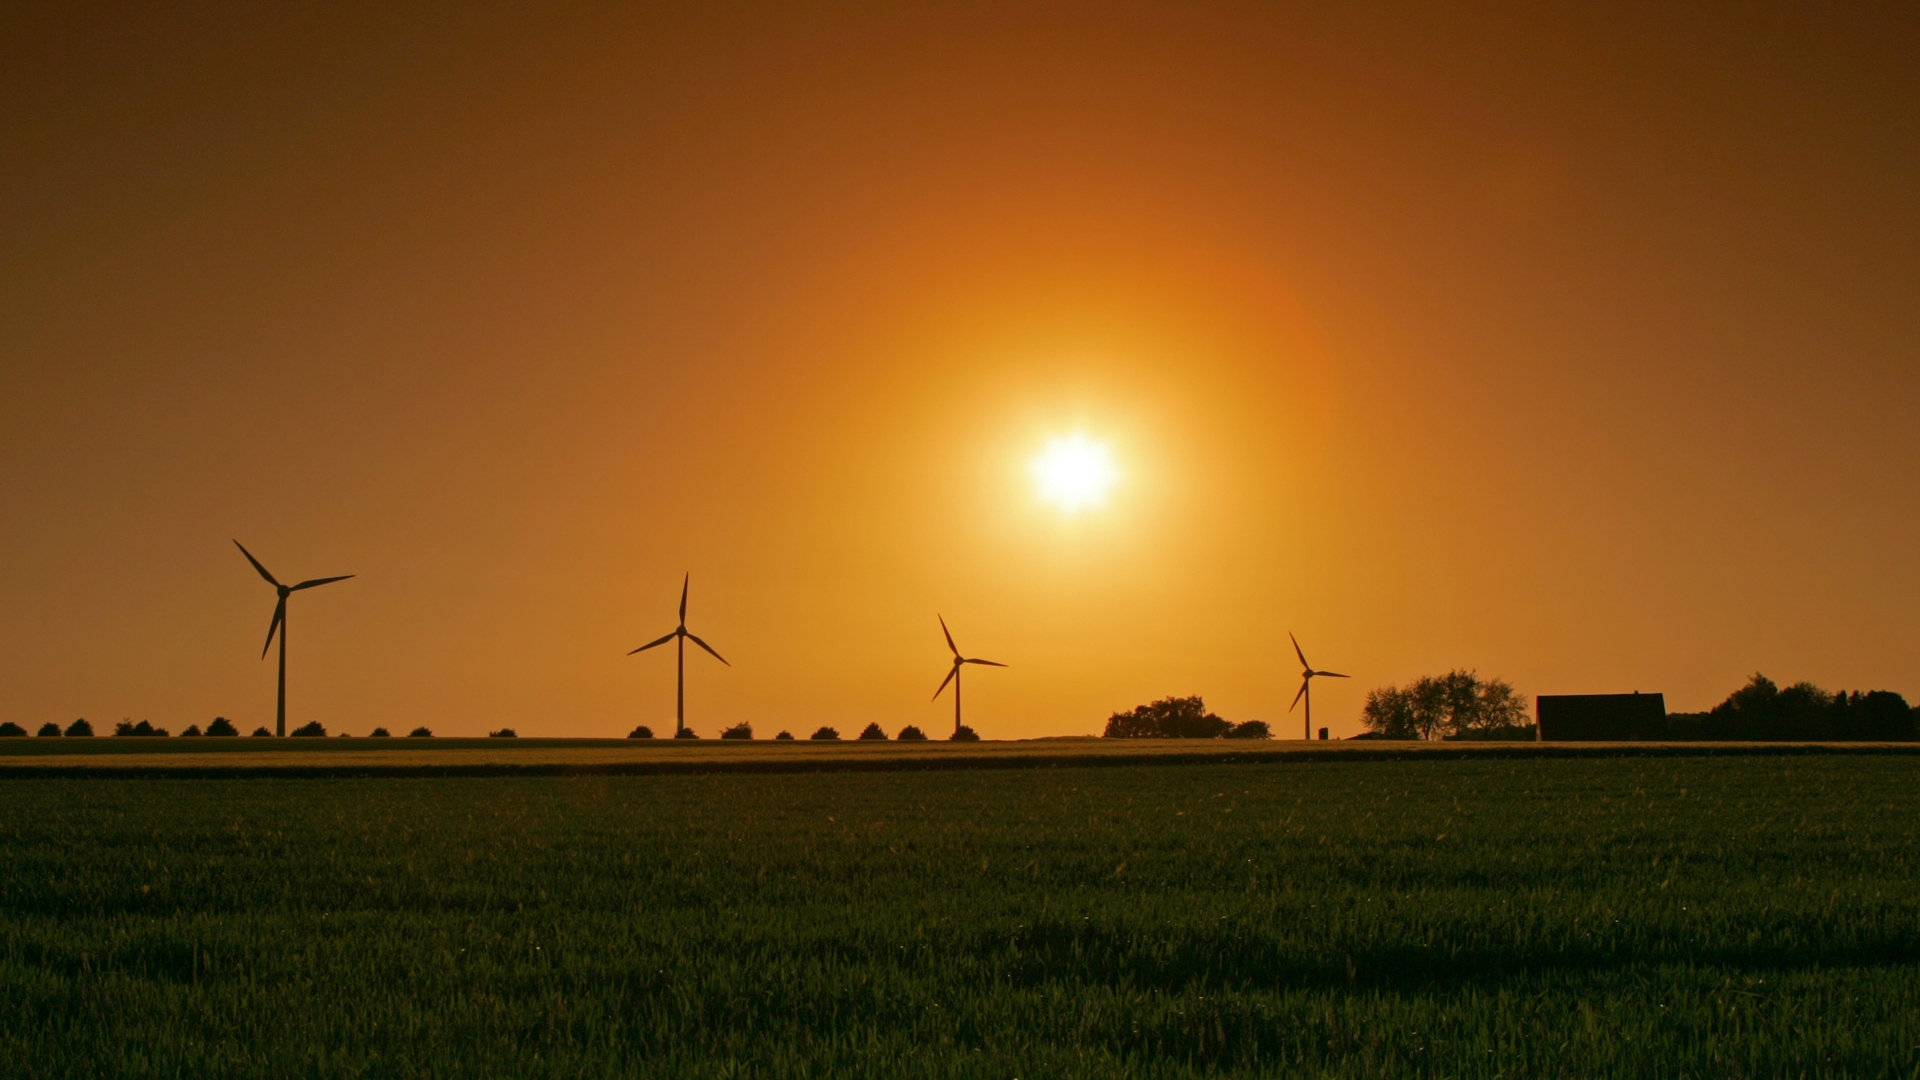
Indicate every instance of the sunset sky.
{"type": "Point", "coordinates": [1578, 346]}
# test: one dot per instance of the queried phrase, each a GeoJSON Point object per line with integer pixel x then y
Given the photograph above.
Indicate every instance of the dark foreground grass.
{"type": "Point", "coordinates": [1740, 917]}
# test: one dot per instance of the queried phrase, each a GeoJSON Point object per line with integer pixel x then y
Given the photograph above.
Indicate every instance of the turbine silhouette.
{"type": "Point", "coordinates": [953, 676]}
{"type": "Point", "coordinates": [1306, 682]}
{"type": "Point", "coordinates": [682, 635]}
{"type": "Point", "coordinates": [279, 626]}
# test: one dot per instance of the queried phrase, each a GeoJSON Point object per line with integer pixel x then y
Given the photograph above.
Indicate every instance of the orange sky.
{"type": "Point", "coordinates": [1576, 347]}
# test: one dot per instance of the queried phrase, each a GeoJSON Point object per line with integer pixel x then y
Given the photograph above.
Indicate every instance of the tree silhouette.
{"type": "Point", "coordinates": [641, 732]}
{"type": "Point", "coordinates": [1168, 718]}
{"type": "Point", "coordinates": [312, 729]}
{"type": "Point", "coordinates": [1250, 729]}
{"type": "Point", "coordinates": [49, 730]}
{"type": "Point", "coordinates": [1763, 711]}
{"type": "Point", "coordinates": [222, 728]}
{"type": "Point", "coordinates": [910, 733]}
{"type": "Point", "coordinates": [825, 734]}
{"type": "Point", "coordinates": [11, 730]}
{"type": "Point", "coordinates": [1455, 705]}
{"type": "Point", "coordinates": [872, 733]}
{"type": "Point", "coordinates": [420, 733]}
{"type": "Point", "coordinates": [741, 730]}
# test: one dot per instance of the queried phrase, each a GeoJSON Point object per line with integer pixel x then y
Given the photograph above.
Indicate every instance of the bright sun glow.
{"type": "Point", "coordinates": [1074, 472]}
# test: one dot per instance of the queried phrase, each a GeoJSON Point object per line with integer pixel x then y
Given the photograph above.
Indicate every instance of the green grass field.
{"type": "Point", "coordinates": [1631, 917]}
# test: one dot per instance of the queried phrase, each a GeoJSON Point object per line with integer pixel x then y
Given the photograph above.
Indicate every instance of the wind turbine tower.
{"type": "Point", "coordinates": [279, 625]}
{"type": "Point", "coordinates": [953, 675]}
{"type": "Point", "coordinates": [681, 636]}
{"type": "Point", "coordinates": [1307, 675]}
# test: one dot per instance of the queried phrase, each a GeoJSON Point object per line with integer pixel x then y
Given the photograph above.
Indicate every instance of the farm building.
{"type": "Point", "coordinates": [1600, 717]}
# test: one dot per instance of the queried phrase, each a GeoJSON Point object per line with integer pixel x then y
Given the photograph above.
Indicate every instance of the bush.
{"type": "Point", "coordinates": [785, 736]}
{"type": "Point", "coordinates": [1168, 718]}
{"type": "Point", "coordinates": [222, 728]}
{"type": "Point", "coordinates": [965, 734]}
{"type": "Point", "coordinates": [80, 729]}
{"type": "Point", "coordinates": [141, 730]}
{"type": "Point", "coordinates": [261, 733]}
{"type": "Point", "coordinates": [379, 733]}
{"type": "Point", "coordinates": [742, 730]}
{"type": "Point", "coordinates": [503, 733]}
{"type": "Point", "coordinates": [825, 734]}
{"type": "Point", "coordinates": [911, 734]}
{"type": "Point", "coordinates": [192, 732]}
{"type": "Point", "coordinates": [11, 730]}
{"type": "Point", "coordinates": [686, 733]}
{"type": "Point", "coordinates": [49, 730]}
{"type": "Point", "coordinates": [641, 732]}
{"type": "Point", "coordinates": [420, 733]}
{"type": "Point", "coordinates": [1250, 729]}
{"type": "Point", "coordinates": [872, 733]}
{"type": "Point", "coordinates": [312, 729]}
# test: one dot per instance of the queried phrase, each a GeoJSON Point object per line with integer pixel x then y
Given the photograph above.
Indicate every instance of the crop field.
{"type": "Point", "coordinates": [1741, 916]}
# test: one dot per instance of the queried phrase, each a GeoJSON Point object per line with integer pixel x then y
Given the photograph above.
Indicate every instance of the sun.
{"type": "Point", "coordinates": [1074, 472]}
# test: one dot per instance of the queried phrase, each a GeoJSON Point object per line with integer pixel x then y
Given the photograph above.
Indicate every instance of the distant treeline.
{"type": "Point", "coordinates": [1763, 712]}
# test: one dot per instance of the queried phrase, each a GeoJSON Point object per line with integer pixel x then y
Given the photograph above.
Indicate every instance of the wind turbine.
{"type": "Point", "coordinates": [279, 625]}
{"type": "Point", "coordinates": [682, 635]}
{"type": "Point", "coordinates": [953, 676]}
{"type": "Point", "coordinates": [1306, 682]}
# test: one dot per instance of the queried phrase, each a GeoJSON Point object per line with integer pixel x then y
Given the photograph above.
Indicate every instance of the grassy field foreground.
{"type": "Point", "coordinates": [1672, 917]}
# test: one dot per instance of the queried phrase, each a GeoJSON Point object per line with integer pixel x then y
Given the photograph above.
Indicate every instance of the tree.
{"type": "Point", "coordinates": [503, 733]}
{"type": "Point", "coordinates": [192, 732]}
{"type": "Point", "coordinates": [1168, 718]}
{"type": "Point", "coordinates": [910, 733]}
{"type": "Point", "coordinates": [1250, 729]}
{"type": "Point", "coordinates": [261, 733]}
{"type": "Point", "coordinates": [222, 728]}
{"type": "Point", "coordinates": [963, 733]}
{"type": "Point", "coordinates": [641, 732]}
{"type": "Point", "coordinates": [825, 734]}
{"type": "Point", "coordinates": [686, 733]}
{"type": "Point", "coordinates": [420, 733]}
{"type": "Point", "coordinates": [872, 733]}
{"type": "Point", "coordinates": [1451, 705]}
{"type": "Point", "coordinates": [741, 730]}
{"type": "Point", "coordinates": [784, 736]}
{"type": "Point", "coordinates": [312, 729]}
{"type": "Point", "coordinates": [80, 729]}
{"type": "Point", "coordinates": [376, 733]}
{"type": "Point", "coordinates": [11, 730]}
{"type": "Point", "coordinates": [49, 730]}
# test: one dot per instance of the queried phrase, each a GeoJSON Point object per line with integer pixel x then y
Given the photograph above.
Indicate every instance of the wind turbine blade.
{"type": "Point", "coordinates": [949, 633]}
{"type": "Point", "coordinates": [695, 638]}
{"type": "Point", "coordinates": [684, 582]}
{"type": "Point", "coordinates": [1297, 652]}
{"type": "Point", "coordinates": [951, 672]}
{"type": "Point", "coordinates": [989, 663]}
{"type": "Point", "coordinates": [319, 581]}
{"type": "Point", "coordinates": [1333, 674]}
{"type": "Point", "coordinates": [657, 641]}
{"type": "Point", "coordinates": [256, 564]}
{"type": "Point", "coordinates": [279, 616]}
{"type": "Point", "coordinates": [1296, 697]}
